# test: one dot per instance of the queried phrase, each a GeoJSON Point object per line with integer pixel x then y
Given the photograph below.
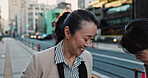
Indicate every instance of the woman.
{"type": "Point", "coordinates": [68, 58]}
{"type": "Point", "coordinates": [135, 40]}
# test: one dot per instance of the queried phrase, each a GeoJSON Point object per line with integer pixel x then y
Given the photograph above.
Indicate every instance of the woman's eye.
{"type": "Point", "coordinates": [92, 39]}
{"type": "Point", "coordinates": [85, 40]}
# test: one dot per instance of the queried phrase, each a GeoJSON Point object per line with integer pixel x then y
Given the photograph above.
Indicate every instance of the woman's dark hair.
{"type": "Point", "coordinates": [73, 21]}
{"type": "Point", "coordinates": [135, 37]}
{"type": "Point", "coordinates": [59, 27]}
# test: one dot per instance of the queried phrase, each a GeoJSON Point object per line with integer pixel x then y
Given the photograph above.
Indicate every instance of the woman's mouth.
{"type": "Point", "coordinates": [82, 49]}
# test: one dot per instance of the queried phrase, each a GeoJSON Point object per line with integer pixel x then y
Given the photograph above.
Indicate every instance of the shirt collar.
{"type": "Point", "coordinates": [59, 55]}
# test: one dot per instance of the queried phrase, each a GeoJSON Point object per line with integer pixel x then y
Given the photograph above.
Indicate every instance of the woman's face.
{"type": "Point", "coordinates": [82, 38]}
{"type": "Point", "coordinates": [143, 56]}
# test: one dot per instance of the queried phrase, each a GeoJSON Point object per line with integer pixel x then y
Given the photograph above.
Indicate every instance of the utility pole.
{"type": "Point", "coordinates": [47, 2]}
{"type": "Point", "coordinates": [139, 9]}
{"type": "Point", "coordinates": [36, 1]}
{"type": "Point", "coordinates": [0, 21]}
{"type": "Point", "coordinates": [0, 26]}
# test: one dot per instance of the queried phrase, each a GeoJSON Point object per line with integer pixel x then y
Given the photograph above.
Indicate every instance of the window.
{"type": "Point", "coordinates": [118, 9]}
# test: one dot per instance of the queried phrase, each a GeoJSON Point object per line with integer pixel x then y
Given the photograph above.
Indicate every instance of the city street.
{"type": "Point", "coordinates": [28, 26]}
{"type": "Point", "coordinates": [109, 62]}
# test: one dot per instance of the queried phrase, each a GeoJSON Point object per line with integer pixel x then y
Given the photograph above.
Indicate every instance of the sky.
{"type": "Point", "coordinates": [4, 6]}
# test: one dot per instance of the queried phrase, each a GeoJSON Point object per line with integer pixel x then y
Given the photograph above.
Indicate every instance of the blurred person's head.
{"type": "Point", "coordinates": [76, 29]}
{"type": "Point", "coordinates": [135, 39]}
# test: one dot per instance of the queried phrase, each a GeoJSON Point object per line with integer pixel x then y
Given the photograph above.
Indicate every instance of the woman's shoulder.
{"type": "Point", "coordinates": [86, 53]}
{"type": "Point", "coordinates": [41, 57]}
{"type": "Point", "coordinates": [46, 53]}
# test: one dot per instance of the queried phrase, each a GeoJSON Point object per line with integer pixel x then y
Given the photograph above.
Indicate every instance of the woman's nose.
{"type": "Point", "coordinates": [87, 44]}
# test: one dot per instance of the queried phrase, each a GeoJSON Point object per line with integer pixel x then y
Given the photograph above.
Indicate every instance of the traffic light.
{"type": "Point", "coordinates": [9, 28]}
{"type": "Point", "coordinates": [27, 25]}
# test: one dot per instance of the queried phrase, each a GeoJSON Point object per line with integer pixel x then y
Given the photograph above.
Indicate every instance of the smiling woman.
{"type": "Point", "coordinates": [68, 58]}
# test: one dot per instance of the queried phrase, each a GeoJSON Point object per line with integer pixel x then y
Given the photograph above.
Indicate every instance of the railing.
{"type": "Point", "coordinates": [35, 45]}
{"type": "Point", "coordinates": [136, 71]}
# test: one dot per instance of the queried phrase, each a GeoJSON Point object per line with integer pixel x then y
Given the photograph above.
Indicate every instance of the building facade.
{"type": "Point", "coordinates": [140, 9]}
{"type": "Point", "coordinates": [30, 20]}
{"type": "Point", "coordinates": [115, 19]}
{"type": "Point", "coordinates": [50, 17]}
{"type": "Point", "coordinates": [15, 7]}
{"type": "Point", "coordinates": [113, 16]}
{"type": "Point", "coordinates": [15, 10]}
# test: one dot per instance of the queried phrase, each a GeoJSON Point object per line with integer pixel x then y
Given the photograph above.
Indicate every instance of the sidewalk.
{"type": "Point", "coordinates": [2, 58]}
{"type": "Point", "coordinates": [14, 56]}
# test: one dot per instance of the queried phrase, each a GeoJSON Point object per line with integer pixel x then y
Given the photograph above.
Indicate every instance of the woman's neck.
{"type": "Point", "coordinates": [67, 55]}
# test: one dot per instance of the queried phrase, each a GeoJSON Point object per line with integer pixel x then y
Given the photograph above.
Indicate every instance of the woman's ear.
{"type": "Point", "coordinates": [67, 32]}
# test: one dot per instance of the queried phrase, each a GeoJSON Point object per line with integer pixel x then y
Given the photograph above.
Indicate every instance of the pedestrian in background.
{"type": "Point", "coordinates": [68, 58]}
{"type": "Point", "coordinates": [135, 40]}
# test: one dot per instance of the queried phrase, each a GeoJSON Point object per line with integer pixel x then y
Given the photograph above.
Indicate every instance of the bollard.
{"type": "Point", "coordinates": [25, 42]}
{"type": "Point", "coordinates": [143, 75]}
{"type": "Point", "coordinates": [136, 72]}
{"type": "Point", "coordinates": [32, 45]}
{"type": "Point", "coordinates": [28, 44]}
{"type": "Point", "coordinates": [92, 46]}
{"type": "Point", "coordinates": [38, 47]}
{"type": "Point", "coordinates": [2, 42]}
{"type": "Point", "coordinates": [94, 76]}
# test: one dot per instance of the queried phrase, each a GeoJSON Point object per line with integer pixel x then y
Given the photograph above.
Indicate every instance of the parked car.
{"type": "Point", "coordinates": [48, 37]}
{"type": "Point", "coordinates": [32, 36]}
{"type": "Point", "coordinates": [44, 36]}
{"type": "Point", "coordinates": [41, 36]}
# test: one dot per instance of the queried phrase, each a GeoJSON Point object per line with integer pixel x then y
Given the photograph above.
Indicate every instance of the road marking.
{"type": "Point", "coordinates": [99, 74]}
{"type": "Point", "coordinates": [7, 67]}
{"type": "Point", "coordinates": [117, 58]}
